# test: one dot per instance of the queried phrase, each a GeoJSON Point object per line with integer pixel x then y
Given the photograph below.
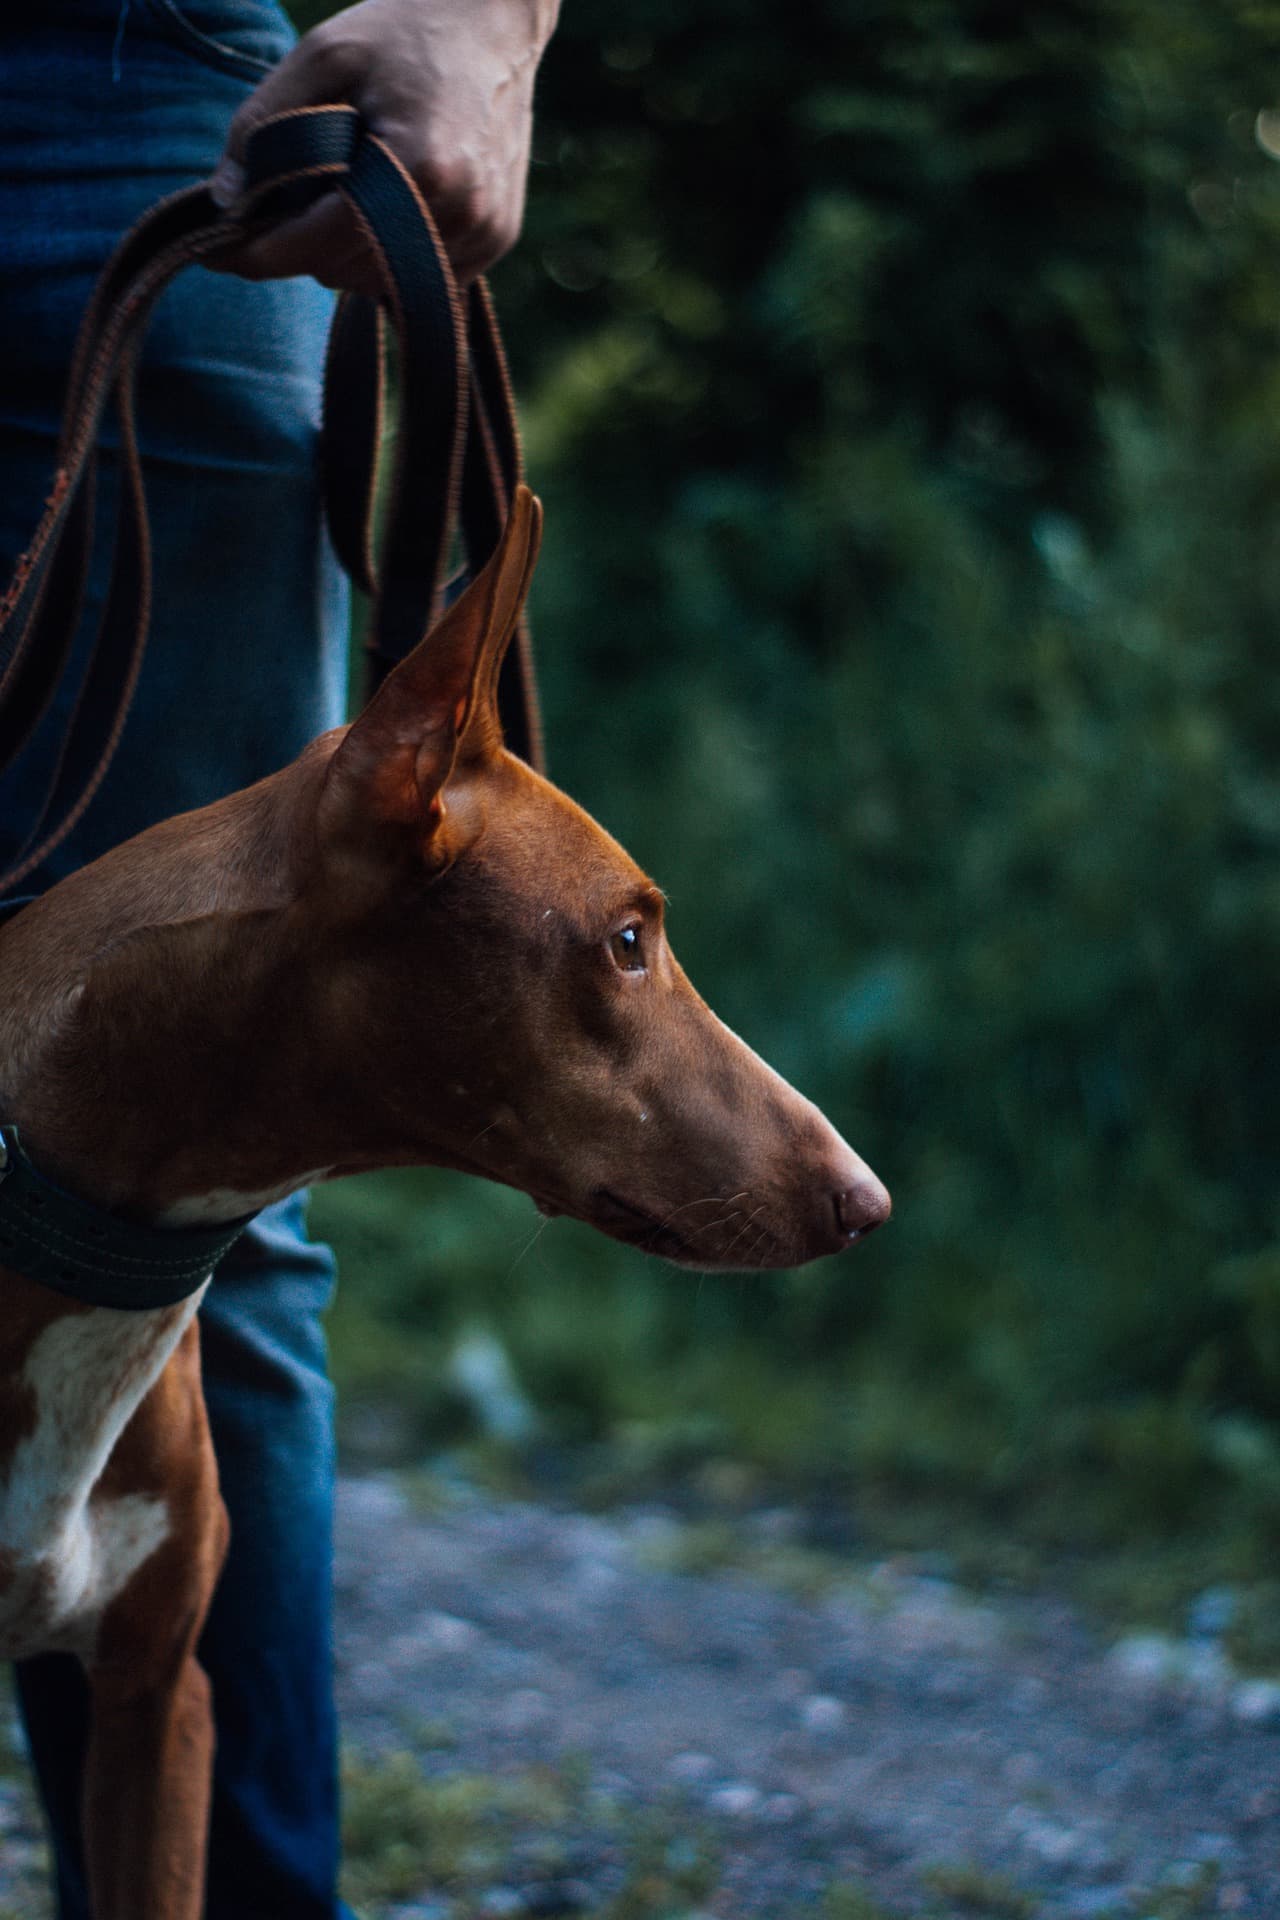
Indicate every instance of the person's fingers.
{"type": "Point", "coordinates": [460, 202]}
{"type": "Point", "coordinates": [317, 70]}
{"type": "Point", "coordinates": [475, 251]}
{"type": "Point", "coordinates": [478, 221]}
{"type": "Point", "coordinates": [326, 242]}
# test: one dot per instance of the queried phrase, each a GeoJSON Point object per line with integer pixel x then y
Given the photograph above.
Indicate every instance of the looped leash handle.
{"type": "Point", "coordinates": [458, 457]}
{"type": "Point", "coordinates": [330, 144]}
{"type": "Point", "coordinates": [457, 450]}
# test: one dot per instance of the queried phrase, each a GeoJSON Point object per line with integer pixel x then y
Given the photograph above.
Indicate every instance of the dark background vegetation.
{"type": "Point", "coordinates": [903, 384]}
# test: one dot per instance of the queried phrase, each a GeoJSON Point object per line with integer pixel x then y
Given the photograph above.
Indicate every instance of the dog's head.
{"type": "Point", "coordinates": [503, 993]}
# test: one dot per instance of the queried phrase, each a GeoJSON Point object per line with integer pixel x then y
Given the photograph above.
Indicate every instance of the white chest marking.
{"type": "Point", "coordinates": [63, 1554]}
{"type": "Point", "coordinates": [224, 1203]}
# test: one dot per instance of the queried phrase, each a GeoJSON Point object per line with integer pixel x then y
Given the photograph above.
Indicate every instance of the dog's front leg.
{"type": "Point", "coordinates": [149, 1765]}
{"type": "Point", "coordinates": [146, 1808]}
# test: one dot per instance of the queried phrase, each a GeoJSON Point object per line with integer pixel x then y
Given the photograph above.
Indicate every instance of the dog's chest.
{"type": "Point", "coordinates": [66, 1550]}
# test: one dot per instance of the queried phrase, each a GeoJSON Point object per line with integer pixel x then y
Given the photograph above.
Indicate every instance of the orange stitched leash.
{"type": "Point", "coordinates": [458, 458]}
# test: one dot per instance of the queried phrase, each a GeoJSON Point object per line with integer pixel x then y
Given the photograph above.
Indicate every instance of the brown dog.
{"type": "Point", "coordinates": [406, 947]}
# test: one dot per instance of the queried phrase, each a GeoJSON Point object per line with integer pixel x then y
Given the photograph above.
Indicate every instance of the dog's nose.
{"type": "Point", "coordinates": [862, 1207]}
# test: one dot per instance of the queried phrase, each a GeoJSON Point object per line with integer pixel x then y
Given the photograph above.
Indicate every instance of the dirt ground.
{"type": "Point", "coordinates": [889, 1730]}
{"type": "Point", "coordinates": [892, 1735]}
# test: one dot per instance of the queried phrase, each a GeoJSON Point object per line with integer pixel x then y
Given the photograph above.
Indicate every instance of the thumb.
{"type": "Point", "coordinates": [306, 77]}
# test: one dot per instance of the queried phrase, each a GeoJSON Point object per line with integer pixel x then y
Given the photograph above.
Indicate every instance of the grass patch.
{"type": "Point", "coordinates": [667, 1873]}
{"type": "Point", "coordinates": [1189, 1895]}
{"type": "Point", "coordinates": [405, 1832]}
{"type": "Point", "coordinates": [847, 1902]}
{"type": "Point", "coordinates": [455, 1839]}
{"type": "Point", "coordinates": [977, 1894]}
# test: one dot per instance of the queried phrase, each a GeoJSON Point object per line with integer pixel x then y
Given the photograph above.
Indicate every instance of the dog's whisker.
{"type": "Point", "coordinates": [539, 1228]}
{"type": "Point", "coordinates": [710, 1200]}
{"type": "Point", "coordinates": [478, 1137]}
{"type": "Point", "coordinates": [742, 1231]}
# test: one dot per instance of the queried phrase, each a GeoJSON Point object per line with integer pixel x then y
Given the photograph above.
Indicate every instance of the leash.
{"type": "Point", "coordinates": [457, 461]}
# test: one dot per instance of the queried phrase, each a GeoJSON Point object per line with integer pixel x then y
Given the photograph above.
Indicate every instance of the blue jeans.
{"type": "Point", "coordinates": [104, 107]}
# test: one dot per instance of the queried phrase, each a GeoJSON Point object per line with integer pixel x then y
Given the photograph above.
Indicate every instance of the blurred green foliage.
{"type": "Point", "coordinates": [902, 383]}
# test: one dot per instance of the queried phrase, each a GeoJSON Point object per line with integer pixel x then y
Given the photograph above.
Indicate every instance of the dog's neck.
{"type": "Point", "coordinates": [148, 1018]}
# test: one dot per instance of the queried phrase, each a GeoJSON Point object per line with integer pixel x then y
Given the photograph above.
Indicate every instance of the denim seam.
{"type": "Point", "coordinates": [215, 53]}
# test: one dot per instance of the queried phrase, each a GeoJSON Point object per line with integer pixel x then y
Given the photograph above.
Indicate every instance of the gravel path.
{"type": "Point", "coordinates": [877, 1735]}
{"type": "Point", "coordinates": [869, 1737]}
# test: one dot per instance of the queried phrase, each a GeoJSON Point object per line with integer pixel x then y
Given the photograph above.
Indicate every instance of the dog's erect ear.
{"type": "Point", "coordinates": [441, 702]}
{"type": "Point", "coordinates": [517, 554]}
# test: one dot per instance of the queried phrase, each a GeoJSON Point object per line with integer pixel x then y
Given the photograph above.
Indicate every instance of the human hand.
{"type": "Point", "coordinates": [448, 85]}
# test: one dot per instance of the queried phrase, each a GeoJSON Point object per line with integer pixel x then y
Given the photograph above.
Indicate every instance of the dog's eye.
{"type": "Point", "coordinates": [627, 951]}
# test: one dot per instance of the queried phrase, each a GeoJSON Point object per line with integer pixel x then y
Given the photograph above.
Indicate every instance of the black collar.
{"type": "Point", "coordinates": [78, 1249]}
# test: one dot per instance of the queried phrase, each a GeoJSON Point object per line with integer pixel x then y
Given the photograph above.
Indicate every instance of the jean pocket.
{"type": "Point", "coordinates": [242, 37]}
